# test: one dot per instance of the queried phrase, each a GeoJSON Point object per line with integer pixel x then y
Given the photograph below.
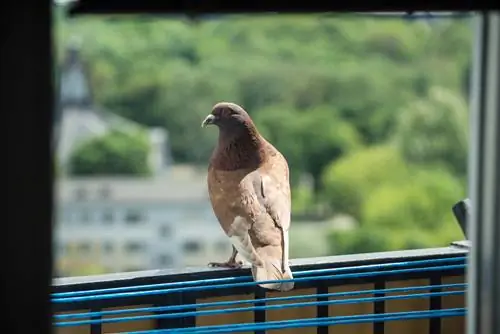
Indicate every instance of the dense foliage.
{"type": "Point", "coordinates": [371, 111]}
{"type": "Point", "coordinates": [114, 153]}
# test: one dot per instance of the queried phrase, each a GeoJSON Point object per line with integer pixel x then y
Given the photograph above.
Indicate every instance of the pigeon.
{"type": "Point", "coordinates": [249, 189]}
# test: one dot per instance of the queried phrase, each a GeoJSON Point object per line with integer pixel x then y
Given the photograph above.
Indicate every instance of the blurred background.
{"type": "Point", "coordinates": [371, 113]}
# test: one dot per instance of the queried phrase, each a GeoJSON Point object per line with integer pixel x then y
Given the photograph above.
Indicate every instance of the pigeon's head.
{"type": "Point", "coordinates": [228, 117]}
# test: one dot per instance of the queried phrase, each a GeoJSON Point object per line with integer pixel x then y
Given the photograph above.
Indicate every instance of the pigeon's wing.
{"type": "Point", "coordinates": [275, 189]}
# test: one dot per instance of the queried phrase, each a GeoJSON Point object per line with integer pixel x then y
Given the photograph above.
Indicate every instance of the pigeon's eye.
{"type": "Point", "coordinates": [236, 117]}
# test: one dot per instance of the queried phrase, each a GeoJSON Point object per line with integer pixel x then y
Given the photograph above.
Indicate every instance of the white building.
{"type": "Point", "coordinates": [126, 224]}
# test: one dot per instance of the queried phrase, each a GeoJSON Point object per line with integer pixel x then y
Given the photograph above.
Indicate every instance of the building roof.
{"type": "Point", "coordinates": [177, 183]}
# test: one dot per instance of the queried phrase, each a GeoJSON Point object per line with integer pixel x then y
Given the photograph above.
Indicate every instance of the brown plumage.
{"type": "Point", "coordinates": [249, 189]}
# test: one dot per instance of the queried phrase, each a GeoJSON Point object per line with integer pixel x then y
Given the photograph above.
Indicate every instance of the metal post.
{"type": "Point", "coordinates": [483, 298]}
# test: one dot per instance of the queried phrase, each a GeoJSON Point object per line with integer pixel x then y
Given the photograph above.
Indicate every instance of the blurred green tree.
{"type": "Point", "coordinates": [310, 139]}
{"type": "Point", "coordinates": [367, 239]}
{"type": "Point", "coordinates": [352, 178]}
{"type": "Point", "coordinates": [115, 153]}
{"type": "Point", "coordinates": [422, 200]}
{"type": "Point", "coordinates": [409, 212]}
{"type": "Point", "coordinates": [433, 131]}
{"type": "Point", "coordinates": [360, 240]}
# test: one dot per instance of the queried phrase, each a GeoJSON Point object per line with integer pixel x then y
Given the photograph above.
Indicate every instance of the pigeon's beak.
{"type": "Point", "coordinates": [208, 120]}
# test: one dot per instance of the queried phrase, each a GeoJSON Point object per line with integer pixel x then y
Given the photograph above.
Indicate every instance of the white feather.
{"type": "Point", "coordinates": [238, 234]}
{"type": "Point", "coordinates": [285, 249]}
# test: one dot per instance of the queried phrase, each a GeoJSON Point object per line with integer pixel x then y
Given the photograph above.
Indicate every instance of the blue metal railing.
{"type": "Point", "coordinates": [266, 300]}
{"type": "Point", "coordinates": [245, 309]}
{"type": "Point", "coordinates": [190, 286]}
{"type": "Point", "coordinates": [361, 273]}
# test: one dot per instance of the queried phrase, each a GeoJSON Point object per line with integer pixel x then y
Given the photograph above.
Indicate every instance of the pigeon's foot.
{"type": "Point", "coordinates": [227, 264]}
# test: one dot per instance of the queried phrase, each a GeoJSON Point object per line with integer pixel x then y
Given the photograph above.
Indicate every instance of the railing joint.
{"type": "Point", "coordinates": [259, 315]}
{"type": "Point", "coordinates": [379, 307]}
{"type": "Point", "coordinates": [435, 303]}
{"type": "Point", "coordinates": [322, 311]}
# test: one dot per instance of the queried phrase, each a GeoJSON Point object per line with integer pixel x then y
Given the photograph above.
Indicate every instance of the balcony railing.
{"type": "Point", "coordinates": [414, 291]}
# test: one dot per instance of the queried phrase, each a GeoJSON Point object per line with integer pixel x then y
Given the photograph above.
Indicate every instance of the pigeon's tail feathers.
{"type": "Point", "coordinates": [271, 270]}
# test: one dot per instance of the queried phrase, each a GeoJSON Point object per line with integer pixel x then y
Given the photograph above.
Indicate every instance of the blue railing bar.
{"type": "Point", "coordinates": [436, 314]}
{"type": "Point", "coordinates": [381, 266]}
{"type": "Point", "coordinates": [300, 323]}
{"type": "Point", "coordinates": [252, 283]}
{"type": "Point", "coordinates": [256, 308]}
{"type": "Point", "coordinates": [247, 278]}
{"type": "Point", "coordinates": [252, 301]}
